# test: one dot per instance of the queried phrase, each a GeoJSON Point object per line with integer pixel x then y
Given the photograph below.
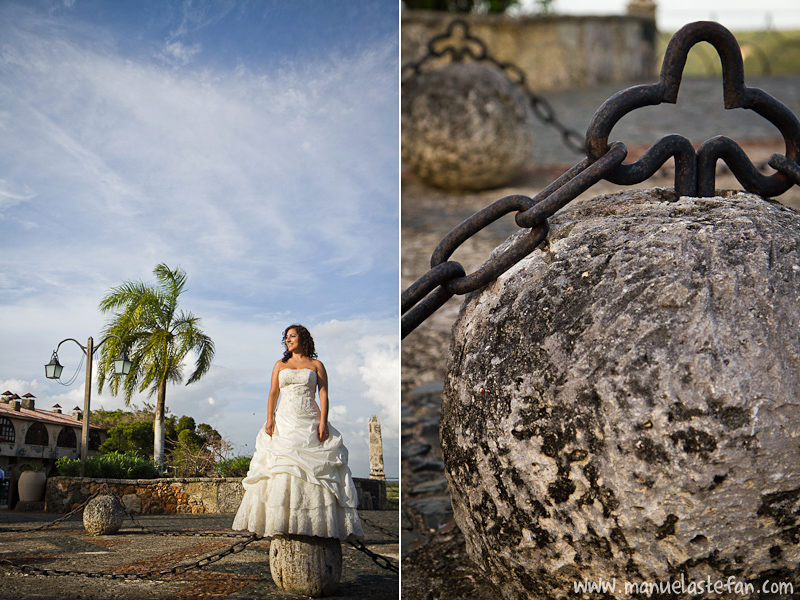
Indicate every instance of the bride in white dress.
{"type": "Point", "coordinates": [299, 482]}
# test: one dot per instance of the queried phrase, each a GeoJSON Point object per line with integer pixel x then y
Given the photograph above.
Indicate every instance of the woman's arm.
{"type": "Point", "coordinates": [322, 383]}
{"type": "Point", "coordinates": [272, 399]}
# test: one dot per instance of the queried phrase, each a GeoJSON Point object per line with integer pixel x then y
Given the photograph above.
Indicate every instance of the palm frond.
{"type": "Point", "coordinates": [156, 335]}
{"type": "Point", "coordinates": [131, 293]}
{"type": "Point", "coordinates": [172, 280]}
{"type": "Point", "coordinates": [192, 339]}
{"type": "Point", "coordinates": [205, 356]}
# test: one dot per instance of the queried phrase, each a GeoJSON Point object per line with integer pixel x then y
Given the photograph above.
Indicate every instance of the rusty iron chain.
{"type": "Point", "coordinates": [446, 278]}
{"type": "Point", "coordinates": [207, 559]}
{"type": "Point", "coordinates": [459, 43]}
{"type": "Point", "coordinates": [71, 513]}
{"type": "Point", "coordinates": [383, 530]}
{"type": "Point", "coordinates": [243, 540]}
{"type": "Point", "coordinates": [204, 561]}
{"type": "Point", "coordinates": [380, 560]}
{"type": "Point", "coordinates": [695, 170]}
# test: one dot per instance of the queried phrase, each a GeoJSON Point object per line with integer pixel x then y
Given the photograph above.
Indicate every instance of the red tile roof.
{"type": "Point", "coordinates": [42, 415]}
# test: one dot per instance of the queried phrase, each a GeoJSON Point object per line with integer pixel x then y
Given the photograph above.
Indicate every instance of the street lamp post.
{"type": "Point", "coordinates": [52, 370]}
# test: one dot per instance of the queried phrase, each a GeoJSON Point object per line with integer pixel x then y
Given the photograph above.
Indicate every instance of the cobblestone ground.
{"type": "Point", "coordinates": [240, 576]}
{"type": "Point", "coordinates": [435, 564]}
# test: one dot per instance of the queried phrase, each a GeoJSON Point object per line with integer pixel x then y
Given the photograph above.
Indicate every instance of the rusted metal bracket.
{"type": "Point", "coordinates": [695, 171]}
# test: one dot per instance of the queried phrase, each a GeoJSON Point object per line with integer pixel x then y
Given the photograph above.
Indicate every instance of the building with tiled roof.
{"type": "Point", "coordinates": [30, 435]}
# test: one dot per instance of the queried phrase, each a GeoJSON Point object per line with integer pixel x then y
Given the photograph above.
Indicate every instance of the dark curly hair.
{"type": "Point", "coordinates": [304, 339]}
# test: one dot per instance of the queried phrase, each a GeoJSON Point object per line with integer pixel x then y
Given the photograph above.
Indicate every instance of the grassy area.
{"type": "Point", "coordinates": [764, 53]}
{"type": "Point", "coordinates": [393, 495]}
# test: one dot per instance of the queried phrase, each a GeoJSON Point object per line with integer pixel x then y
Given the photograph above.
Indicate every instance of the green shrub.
{"type": "Point", "coordinates": [109, 466]}
{"type": "Point", "coordinates": [68, 467]}
{"type": "Point", "coordinates": [33, 467]}
{"type": "Point", "coordinates": [234, 467]}
{"type": "Point", "coordinates": [392, 495]}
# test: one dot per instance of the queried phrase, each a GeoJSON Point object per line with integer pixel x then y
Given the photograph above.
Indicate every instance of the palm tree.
{"type": "Point", "coordinates": [158, 338]}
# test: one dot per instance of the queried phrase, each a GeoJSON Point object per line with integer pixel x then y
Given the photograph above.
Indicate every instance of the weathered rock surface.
{"type": "Point", "coordinates": [375, 449]}
{"type": "Point", "coordinates": [306, 565]}
{"type": "Point", "coordinates": [624, 402]}
{"type": "Point", "coordinates": [103, 515]}
{"type": "Point", "coordinates": [465, 127]}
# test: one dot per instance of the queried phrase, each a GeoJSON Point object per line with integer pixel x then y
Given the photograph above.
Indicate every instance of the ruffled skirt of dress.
{"type": "Point", "coordinates": [297, 485]}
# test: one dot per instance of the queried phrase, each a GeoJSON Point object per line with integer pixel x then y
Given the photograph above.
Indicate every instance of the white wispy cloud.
{"type": "Point", "coordinates": [275, 189]}
{"type": "Point", "coordinates": [231, 167]}
{"type": "Point", "coordinates": [178, 52]}
{"type": "Point", "coordinates": [10, 197]}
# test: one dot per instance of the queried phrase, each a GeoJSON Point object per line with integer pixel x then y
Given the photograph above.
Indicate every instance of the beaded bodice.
{"type": "Point", "coordinates": [298, 390]}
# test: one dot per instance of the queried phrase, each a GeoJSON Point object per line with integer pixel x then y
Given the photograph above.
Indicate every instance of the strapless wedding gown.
{"type": "Point", "coordinates": [297, 485]}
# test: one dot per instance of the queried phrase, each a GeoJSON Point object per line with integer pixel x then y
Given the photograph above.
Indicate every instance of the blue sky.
{"type": "Point", "coordinates": [254, 144]}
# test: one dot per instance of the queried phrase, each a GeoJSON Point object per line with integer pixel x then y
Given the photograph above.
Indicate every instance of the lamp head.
{"type": "Point", "coordinates": [122, 365]}
{"type": "Point", "coordinates": [52, 370]}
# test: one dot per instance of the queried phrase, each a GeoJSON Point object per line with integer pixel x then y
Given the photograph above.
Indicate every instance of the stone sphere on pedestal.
{"type": "Point", "coordinates": [103, 515]}
{"type": "Point", "coordinates": [623, 404]}
{"type": "Point", "coordinates": [465, 127]}
{"type": "Point", "coordinates": [306, 565]}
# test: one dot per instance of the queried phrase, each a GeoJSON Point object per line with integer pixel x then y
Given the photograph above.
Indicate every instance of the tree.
{"type": "Point", "coordinates": [185, 423]}
{"type": "Point", "coordinates": [158, 338]}
{"type": "Point", "coordinates": [126, 438]}
{"type": "Point", "coordinates": [197, 451]}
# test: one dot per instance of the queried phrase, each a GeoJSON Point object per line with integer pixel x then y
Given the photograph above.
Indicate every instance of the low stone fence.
{"type": "Point", "coordinates": [177, 496]}
{"type": "Point", "coordinates": [555, 51]}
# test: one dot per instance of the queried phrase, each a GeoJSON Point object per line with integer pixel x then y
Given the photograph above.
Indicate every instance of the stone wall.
{"type": "Point", "coordinates": [555, 52]}
{"type": "Point", "coordinates": [177, 496]}
{"type": "Point", "coordinates": [371, 493]}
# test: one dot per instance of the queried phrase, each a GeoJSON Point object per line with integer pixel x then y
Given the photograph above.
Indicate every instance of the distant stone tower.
{"type": "Point", "coordinates": [642, 8]}
{"type": "Point", "coordinates": [375, 449]}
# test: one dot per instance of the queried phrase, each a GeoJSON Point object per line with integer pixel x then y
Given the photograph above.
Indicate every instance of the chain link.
{"type": "Point", "coordinates": [459, 44]}
{"type": "Point", "coordinates": [243, 540]}
{"type": "Point", "coordinates": [57, 521]}
{"type": "Point", "coordinates": [381, 561]}
{"type": "Point", "coordinates": [695, 170]}
{"type": "Point", "coordinates": [447, 278]}
{"type": "Point", "coordinates": [787, 167]}
{"type": "Point", "coordinates": [197, 564]}
{"type": "Point", "coordinates": [383, 530]}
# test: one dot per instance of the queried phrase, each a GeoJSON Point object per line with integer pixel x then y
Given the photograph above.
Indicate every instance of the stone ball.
{"type": "Point", "coordinates": [103, 515]}
{"type": "Point", "coordinates": [465, 126]}
{"type": "Point", "coordinates": [307, 565]}
{"type": "Point", "coordinates": [623, 403]}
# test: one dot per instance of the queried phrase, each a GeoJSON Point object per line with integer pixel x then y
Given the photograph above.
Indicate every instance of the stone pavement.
{"type": "Point", "coordinates": [435, 564]}
{"type": "Point", "coordinates": [66, 546]}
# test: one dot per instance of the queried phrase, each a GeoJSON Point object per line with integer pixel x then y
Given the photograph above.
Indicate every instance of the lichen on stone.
{"type": "Point", "coordinates": [624, 402]}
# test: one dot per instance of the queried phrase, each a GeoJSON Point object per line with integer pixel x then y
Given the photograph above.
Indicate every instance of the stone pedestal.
{"type": "Point", "coordinates": [103, 515]}
{"type": "Point", "coordinates": [465, 127]}
{"type": "Point", "coordinates": [624, 404]}
{"type": "Point", "coordinates": [306, 565]}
